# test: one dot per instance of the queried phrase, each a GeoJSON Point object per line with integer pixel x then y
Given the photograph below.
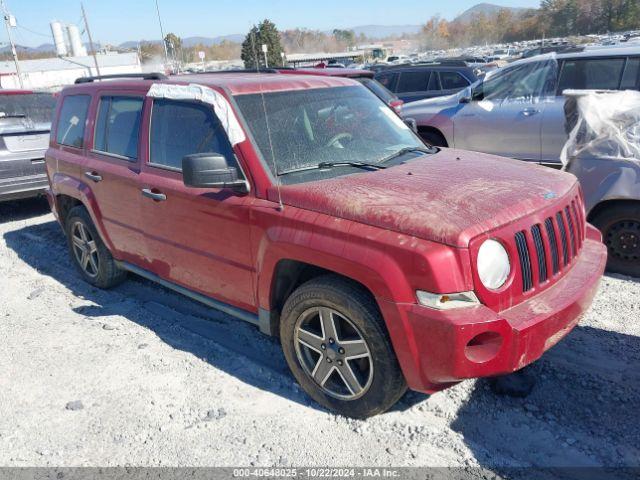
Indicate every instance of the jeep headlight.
{"type": "Point", "coordinates": [493, 264]}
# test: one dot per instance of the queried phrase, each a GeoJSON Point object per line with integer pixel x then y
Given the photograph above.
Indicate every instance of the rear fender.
{"type": "Point", "coordinates": [63, 184]}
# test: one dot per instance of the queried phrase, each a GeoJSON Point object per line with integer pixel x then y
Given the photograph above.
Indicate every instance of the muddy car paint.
{"type": "Point", "coordinates": [230, 247]}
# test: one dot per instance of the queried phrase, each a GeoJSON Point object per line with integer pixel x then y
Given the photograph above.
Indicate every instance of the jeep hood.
{"type": "Point", "coordinates": [449, 197]}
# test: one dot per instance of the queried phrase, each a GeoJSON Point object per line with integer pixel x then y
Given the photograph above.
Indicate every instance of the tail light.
{"type": "Point", "coordinates": [396, 105]}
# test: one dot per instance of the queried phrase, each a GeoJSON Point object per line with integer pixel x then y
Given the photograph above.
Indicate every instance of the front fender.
{"type": "Point", "coordinates": [390, 265]}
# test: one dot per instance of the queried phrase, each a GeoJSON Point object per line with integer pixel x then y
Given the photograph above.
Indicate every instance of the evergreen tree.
{"type": "Point", "coordinates": [267, 34]}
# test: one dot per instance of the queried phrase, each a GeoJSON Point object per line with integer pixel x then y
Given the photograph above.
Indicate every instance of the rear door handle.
{"type": "Point", "coordinates": [93, 176]}
{"type": "Point", "coordinates": [529, 112]}
{"type": "Point", "coordinates": [157, 196]}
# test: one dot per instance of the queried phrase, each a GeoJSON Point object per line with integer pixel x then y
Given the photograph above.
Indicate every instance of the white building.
{"type": "Point", "coordinates": [52, 73]}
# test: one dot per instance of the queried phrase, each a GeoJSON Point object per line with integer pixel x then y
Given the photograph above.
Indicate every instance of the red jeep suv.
{"type": "Point", "coordinates": [304, 205]}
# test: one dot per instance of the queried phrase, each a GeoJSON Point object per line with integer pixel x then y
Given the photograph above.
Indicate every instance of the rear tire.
{"type": "Point", "coordinates": [88, 253]}
{"type": "Point", "coordinates": [337, 347]}
{"type": "Point", "coordinates": [620, 227]}
{"type": "Point", "coordinates": [433, 138]}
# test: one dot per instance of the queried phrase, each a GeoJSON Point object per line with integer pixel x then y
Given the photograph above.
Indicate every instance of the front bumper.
{"type": "Point", "coordinates": [437, 348]}
{"type": "Point", "coordinates": [22, 187]}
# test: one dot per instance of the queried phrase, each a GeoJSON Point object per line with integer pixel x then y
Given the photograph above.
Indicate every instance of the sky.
{"type": "Point", "coordinates": [117, 21]}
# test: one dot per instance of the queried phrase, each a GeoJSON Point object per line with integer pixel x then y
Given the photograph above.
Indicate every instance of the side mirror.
{"type": "Point", "coordinates": [411, 122]}
{"type": "Point", "coordinates": [210, 170]}
{"type": "Point", "coordinates": [465, 99]}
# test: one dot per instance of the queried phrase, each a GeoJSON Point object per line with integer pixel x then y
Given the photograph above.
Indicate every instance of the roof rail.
{"type": "Point", "coordinates": [234, 70]}
{"type": "Point", "coordinates": [435, 63]}
{"type": "Point", "coordinates": [143, 76]}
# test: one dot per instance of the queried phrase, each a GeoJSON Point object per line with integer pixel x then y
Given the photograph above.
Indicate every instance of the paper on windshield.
{"type": "Point", "coordinates": [607, 125]}
{"type": "Point", "coordinates": [206, 95]}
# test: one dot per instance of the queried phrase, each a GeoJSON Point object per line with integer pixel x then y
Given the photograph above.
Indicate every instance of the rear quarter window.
{"type": "Point", "coordinates": [72, 120]}
{"type": "Point", "coordinates": [630, 75]}
{"type": "Point", "coordinates": [591, 74]}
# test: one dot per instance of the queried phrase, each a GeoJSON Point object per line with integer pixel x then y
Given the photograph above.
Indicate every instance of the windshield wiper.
{"type": "Point", "coordinates": [329, 165]}
{"type": "Point", "coordinates": [406, 150]}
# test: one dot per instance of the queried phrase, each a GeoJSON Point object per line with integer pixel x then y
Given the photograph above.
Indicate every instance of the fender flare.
{"type": "Point", "coordinates": [63, 184]}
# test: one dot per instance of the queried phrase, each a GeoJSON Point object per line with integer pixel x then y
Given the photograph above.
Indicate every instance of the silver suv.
{"type": "Point", "coordinates": [25, 121]}
{"type": "Point", "coordinates": [518, 111]}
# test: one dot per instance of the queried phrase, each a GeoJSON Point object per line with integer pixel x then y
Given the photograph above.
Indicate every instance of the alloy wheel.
{"type": "Point", "coordinates": [85, 249]}
{"type": "Point", "coordinates": [333, 352]}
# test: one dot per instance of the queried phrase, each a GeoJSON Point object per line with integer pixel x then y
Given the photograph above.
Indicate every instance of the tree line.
{"type": "Point", "coordinates": [554, 18]}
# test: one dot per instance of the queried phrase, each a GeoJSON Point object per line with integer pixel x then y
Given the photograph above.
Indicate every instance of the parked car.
{"type": "Point", "coordinates": [304, 205]}
{"type": "Point", "coordinates": [416, 82]}
{"type": "Point", "coordinates": [25, 119]}
{"type": "Point", "coordinates": [365, 77]}
{"type": "Point", "coordinates": [518, 111]}
{"type": "Point", "coordinates": [603, 152]}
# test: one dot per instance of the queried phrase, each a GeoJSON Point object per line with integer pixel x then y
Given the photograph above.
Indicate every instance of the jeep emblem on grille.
{"type": "Point", "coordinates": [550, 195]}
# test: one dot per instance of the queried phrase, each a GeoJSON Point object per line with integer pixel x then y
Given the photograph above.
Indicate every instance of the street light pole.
{"type": "Point", "coordinates": [93, 51]}
{"type": "Point", "coordinates": [7, 22]}
{"type": "Point", "coordinates": [166, 53]}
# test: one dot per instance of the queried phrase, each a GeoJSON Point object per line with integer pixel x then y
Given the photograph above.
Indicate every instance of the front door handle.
{"type": "Point", "coordinates": [529, 112]}
{"type": "Point", "coordinates": [157, 196]}
{"type": "Point", "coordinates": [93, 176]}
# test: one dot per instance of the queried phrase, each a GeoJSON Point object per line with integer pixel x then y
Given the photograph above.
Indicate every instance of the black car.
{"type": "Point", "coordinates": [415, 82]}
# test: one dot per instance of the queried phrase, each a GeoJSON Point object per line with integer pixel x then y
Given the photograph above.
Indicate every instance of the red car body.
{"type": "Point", "coordinates": [416, 226]}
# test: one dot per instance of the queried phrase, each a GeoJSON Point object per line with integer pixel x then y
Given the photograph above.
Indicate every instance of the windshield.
{"type": "Point", "coordinates": [327, 125]}
{"type": "Point", "coordinates": [38, 107]}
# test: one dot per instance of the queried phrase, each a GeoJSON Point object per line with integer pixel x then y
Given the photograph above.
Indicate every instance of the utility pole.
{"type": "Point", "coordinates": [86, 26]}
{"type": "Point", "coordinates": [7, 21]}
{"type": "Point", "coordinates": [166, 53]}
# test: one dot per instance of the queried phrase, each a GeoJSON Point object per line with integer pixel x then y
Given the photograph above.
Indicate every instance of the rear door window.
{"type": "Point", "coordinates": [413, 81]}
{"type": "Point", "coordinates": [71, 123]}
{"type": "Point", "coordinates": [118, 126]}
{"type": "Point", "coordinates": [630, 75]}
{"type": "Point", "coordinates": [183, 128]}
{"type": "Point", "coordinates": [591, 74]}
{"type": "Point", "coordinates": [452, 81]}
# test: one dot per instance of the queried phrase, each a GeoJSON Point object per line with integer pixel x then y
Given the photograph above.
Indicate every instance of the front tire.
{"type": "Point", "coordinates": [620, 227]}
{"type": "Point", "coordinates": [337, 347]}
{"type": "Point", "coordinates": [89, 254]}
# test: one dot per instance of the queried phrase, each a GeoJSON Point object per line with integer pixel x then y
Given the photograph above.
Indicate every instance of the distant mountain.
{"type": "Point", "coordinates": [376, 32]}
{"type": "Point", "coordinates": [45, 47]}
{"type": "Point", "coordinates": [191, 41]}
{"type": "Point", "coordinates": [487, 9]}
{"type": "Point", "coordinates": [19, 49]}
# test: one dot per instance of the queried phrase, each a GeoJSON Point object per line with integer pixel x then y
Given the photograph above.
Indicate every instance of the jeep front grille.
{"type": "Point", "coordinates": [547, 250]}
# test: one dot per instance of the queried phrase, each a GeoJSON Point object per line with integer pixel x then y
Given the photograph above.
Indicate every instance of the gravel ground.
{"type": "Point", "coordinates": [141, 376]}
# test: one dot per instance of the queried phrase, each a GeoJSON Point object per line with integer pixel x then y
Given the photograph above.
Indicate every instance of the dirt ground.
{"type": "Point", "coordinates": [141, 376]}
